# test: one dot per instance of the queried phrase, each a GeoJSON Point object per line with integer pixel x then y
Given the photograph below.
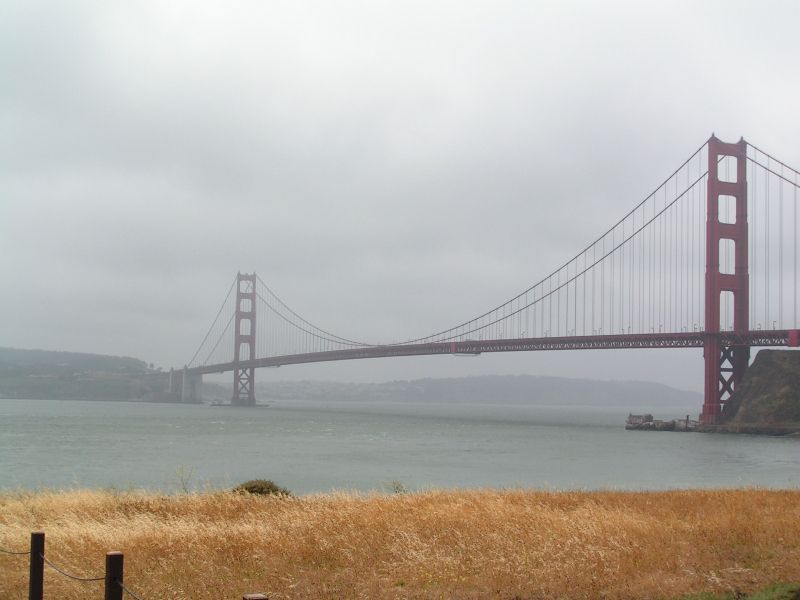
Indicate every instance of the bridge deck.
{"type": "Point", "coordinates": [693, 339]}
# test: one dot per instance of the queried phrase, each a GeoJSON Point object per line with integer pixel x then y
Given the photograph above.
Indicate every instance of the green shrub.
{"type": "Point", "coordinates": [396, 486]}
{"type": "Point", "coordinates": [262, 487]}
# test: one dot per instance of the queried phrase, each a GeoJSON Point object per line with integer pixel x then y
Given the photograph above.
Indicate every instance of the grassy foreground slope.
{"type": "Point", "coordinates": [438, 544]}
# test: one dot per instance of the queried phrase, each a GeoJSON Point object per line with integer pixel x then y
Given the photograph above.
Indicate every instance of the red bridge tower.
{"type": "Point", "coordinates": [244, 348]}
{"type": "Point", "coordinates": [725, 365]}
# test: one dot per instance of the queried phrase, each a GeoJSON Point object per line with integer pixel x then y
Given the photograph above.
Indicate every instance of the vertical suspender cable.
{"type": "Point", "coordinates": [611, 287]}
{"type": "Point", "coordinates": [690, 213]}
{"type": "Point", "coordinates": [753, 262]}
{"type": "Point", "coordinates": [558, 302]}
{"type": "Point", "coordinates": [541, 311]}
{"type": "Point", "coordinates": [603, 287]}
{"type": "Point", "coordinates": [620, 279]}
{"type": "Point", "coordinates": [642, 273]}
{"type": "Point", "coordinates": [630, 275]}
{"type": "Point", "coordinates": [594, 271]}
{"type": "Point", "coordinates": [766, 250]}
{"type": "Point", "coordinates": [662, 270]}
{"type": "Point", "coordinates": [675, 234]}
{"type": "Point", "coordinates": [689, 271]}
{"type": "Point", "coordinates": [701, 256]}
{"type": "Point", "coordinates": [550, 305]}
{"type": "Point", "coordinates": [622, 294]}
{"type": "Point", "coordinates": [651, 274]}
{"type": "Point", "coordinates": [527, 317]}
{"type": "Point", "coordinates": [583, 280]}
{"type": "Point", "coordinates": [684, 262]}
{"type": "Point", "coordinates": [679, 274]}
{"type": "Point", "coordinates": [642, 329]}
{"type": "Point", "coordinates": [780, 252]}
{"type": "Point", "coordinates": [670, 232]}
{"type": "Point", "coordinates": [656, 290]}
{"type": "Point", "coordinates": [566, 317]}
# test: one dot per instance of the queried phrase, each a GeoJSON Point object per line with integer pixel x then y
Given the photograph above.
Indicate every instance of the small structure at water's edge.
{"type": "Point", "coordinates": [646, 422]}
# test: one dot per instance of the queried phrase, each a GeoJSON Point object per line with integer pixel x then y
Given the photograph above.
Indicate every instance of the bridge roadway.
{"type": "Point", "coordinates": [692, 339]}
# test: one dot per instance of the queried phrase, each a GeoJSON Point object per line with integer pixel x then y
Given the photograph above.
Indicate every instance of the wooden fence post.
{"type": "Point", "coordinates": [114, 562]}
{"type": "Point", "coordinates": [36, 575]}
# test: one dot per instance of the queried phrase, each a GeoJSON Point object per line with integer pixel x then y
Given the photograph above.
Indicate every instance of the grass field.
{"type": "Point", "coordinates": [438, 544]}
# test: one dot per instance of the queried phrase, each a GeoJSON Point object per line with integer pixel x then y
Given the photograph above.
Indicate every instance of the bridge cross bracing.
{"type": "Point", "coordinates": [708, 259]}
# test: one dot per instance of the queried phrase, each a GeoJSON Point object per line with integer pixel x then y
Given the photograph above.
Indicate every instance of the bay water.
{"type": "Point", "coordinates": [314, 446]}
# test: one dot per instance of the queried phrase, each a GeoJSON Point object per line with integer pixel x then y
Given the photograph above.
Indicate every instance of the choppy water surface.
{"type": "Point", "coordinates": [310, 447]}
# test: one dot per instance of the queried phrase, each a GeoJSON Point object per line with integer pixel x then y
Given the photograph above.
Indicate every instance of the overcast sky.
{"type": "Point", "coordinates": [388, 168]}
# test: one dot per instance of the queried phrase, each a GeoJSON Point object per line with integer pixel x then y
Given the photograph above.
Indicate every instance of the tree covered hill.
{"type": "Point", "coordinates": [38, 374]}
{"type": "Point", "coordinates": [768, 398]}
{"type": "Point", "coordinates": [15, 360]}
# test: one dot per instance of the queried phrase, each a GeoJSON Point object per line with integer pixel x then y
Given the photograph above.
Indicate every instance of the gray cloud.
{"type": "Point", "coordinates": [389, 169]}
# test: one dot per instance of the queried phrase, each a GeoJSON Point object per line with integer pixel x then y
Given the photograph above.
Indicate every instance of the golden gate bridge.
{"type": "Point", "coordinates": [707, 260]}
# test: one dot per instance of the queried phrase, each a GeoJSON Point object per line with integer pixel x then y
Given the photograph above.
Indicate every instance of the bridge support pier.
{"type": "Point", "coordinates": [175, 389]}
{"type": "Point", "coordinates": [725, 365]}
{"type": "Point", "coordinates": [191, 387]}
{"type": "Point", "coordinates": [244, 344]}
{"type": "Point", "coordinates": [724, 369]}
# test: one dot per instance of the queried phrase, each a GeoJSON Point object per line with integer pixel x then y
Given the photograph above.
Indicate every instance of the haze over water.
{"type": "Point", "coordinates": [312, 446]}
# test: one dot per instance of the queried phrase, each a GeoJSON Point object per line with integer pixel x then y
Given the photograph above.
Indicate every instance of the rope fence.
{"type": "Point", "coordinates": [3, 551]}
{"type": "Point", "coordinates": [115, 589]}
{"type": "Point", "coordinates": [130, 593]}
{"type": "Point", "coordinates": [68, 575]}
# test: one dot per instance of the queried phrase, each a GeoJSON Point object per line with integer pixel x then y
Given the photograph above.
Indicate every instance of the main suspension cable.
{"type": "Point", "coordinates": [214, 322]}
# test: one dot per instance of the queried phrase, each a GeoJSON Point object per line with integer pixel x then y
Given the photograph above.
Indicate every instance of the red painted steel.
{"type": "Point", "coordinates": [794, 338]}
{"type": "Point", "coordinates": [244, 337]}
{"type": "Point", "coordinates": [725, 364]}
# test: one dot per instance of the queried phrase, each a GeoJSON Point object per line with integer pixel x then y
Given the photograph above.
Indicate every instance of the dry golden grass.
{"type": "Point", "coordinates": [439, 544]}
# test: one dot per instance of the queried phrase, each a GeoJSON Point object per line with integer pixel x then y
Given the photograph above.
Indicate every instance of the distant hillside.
{"type": "Point", "coordinates": [501, 389]}
{"type": "Point", "coordinates": [15, 359]}
{"type": "Point", "coordinates": [768, 398]}
{"type": "Point", "coordinates": [43, 374]}
{"type": "Point", "coordinates": [39, 374]}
